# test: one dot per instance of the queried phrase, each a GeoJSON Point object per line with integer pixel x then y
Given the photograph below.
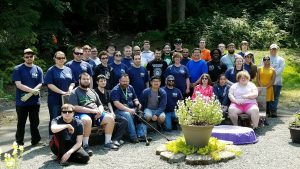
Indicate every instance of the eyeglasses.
{"type": "Point", "coordinates": [78, 53]}
{"type": "Point", "coordinates": [27, 57]}
{"type": "Point", "coordinates": [104, 58]}
{"type": "Point", "coordinates": [67, 112]}
{"type": "Point", "coordinates": [60, 58]}
{"type": "Point", "coordinates": [118, 55]}
{"type": "Point", "coordinates": [266, 59]}
{"type": "Point", "coordinates": [205, 78]}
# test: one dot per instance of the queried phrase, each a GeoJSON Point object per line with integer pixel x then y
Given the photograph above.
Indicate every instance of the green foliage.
{"type": "Point", "coordinates": [295, 123]}
{"type": "Point", "coordinates": [199, 112]}
{"type": "Point", "coordinates": [152, 36]}
{"type": "Point", "coordinates": [213, 148]}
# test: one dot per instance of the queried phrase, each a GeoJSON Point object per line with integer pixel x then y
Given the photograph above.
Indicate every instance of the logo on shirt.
{"type": "Point", "coordinates": [157, 72]}
{"type": "Point", "coordinates": [34, 75]}
{"type": "Point", "coordinates": [122, 71]}
{"type": "Point", "coordinates": [174, 95]}
{"type": "Point", "coordinates": [107, 75]}
{"type": "Point", "coordinates": [182, 71]}
{"type": "Point", "coordinates": [142, 74]}
{"type": "Point", "coordinates": [130, 94]}
{"type": "Point", "coordinates": [211, 67]}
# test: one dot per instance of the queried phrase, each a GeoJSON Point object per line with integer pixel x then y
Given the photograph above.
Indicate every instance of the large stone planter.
{"type": "Point", "coordinates": [295, 134]}
{"type": "Point", "coordinates": [197, 135]}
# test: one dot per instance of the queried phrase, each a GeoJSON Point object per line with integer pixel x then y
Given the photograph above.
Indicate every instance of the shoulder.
{"type": "Point", "coordinates": [162, 91]}
{"type": "Point", "coordinates": [251, 84]}
{"type": "Point", "coordinates": [20, 66]}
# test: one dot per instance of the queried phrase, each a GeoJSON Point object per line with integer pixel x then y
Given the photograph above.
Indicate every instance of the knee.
{"type": "Point", "coordinates": [87, 121]}
{"type": "Point", "coordinates": [154, 118]}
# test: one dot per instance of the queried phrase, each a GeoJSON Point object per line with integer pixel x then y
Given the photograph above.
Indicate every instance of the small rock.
{"type": "Point", "coordinates": [160, 149]}
{"type": "Point", "coordinates": [171, 157]}
{"type": "Point", "coordinates": [226, 142]}
{"type": "Point", "coordinates": [195, 159]}
{"type": "Point", "coordinates": [226, 156]}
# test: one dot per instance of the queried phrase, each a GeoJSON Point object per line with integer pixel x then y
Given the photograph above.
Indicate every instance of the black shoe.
{"type": "Point", "coordinates": [66, 163]}
{"type": "Point", "coordinates": [34, 143]}
{"type": "Point", "coordinates": [87, 149]}
{"type": "Point", "coordinates": [266, 123]}
{"type": "Point", "coordinates": [274, 116]}
{"type": "Point", "coordinates": [111, 146]}
{"type": "Point", "coordinates": [143, 139]}
{"type": "Point", "coordinates": [134, 140]}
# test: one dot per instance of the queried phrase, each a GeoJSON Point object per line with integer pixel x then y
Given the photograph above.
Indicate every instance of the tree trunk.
{"type": "Point", "coordinates": [169, 12]}
{"type": "Point", "coordinates": [181, 9]}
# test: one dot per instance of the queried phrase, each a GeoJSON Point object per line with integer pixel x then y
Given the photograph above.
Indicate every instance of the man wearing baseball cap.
{"type": "Point", "coordinates": [28, 79]}
{"type": "Point", "coordinates": [178, 45]}
{"type": "Point", "coordinates": [277, 63]}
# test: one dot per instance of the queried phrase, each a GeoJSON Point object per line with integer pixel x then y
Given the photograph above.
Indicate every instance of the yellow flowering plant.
{"type": "Point", "coordinates": [12, 161]}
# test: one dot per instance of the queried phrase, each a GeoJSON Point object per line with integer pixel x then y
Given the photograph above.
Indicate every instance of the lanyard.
{"type": "Point", "coordinates": [125, 94]}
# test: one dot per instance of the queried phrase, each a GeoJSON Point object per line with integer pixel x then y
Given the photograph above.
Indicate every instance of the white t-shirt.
{"type": "Point", "coordinates": [146, 57]}
{"type": "Point", "coordinates": [238, 91]}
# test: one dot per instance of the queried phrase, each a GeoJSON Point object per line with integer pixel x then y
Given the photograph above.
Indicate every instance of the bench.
{"type": "Point", "coordinates": [245, 119]}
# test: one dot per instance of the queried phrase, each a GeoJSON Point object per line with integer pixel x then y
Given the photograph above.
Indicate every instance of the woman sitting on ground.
{"type": "Point", "coordinates": [221, 90]}
{"type": "Point", "coordinates": [204, 89]}
{"type": "Point", "coordinates": [243, 99]}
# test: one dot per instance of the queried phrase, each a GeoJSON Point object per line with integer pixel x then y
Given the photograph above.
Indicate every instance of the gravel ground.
{"type": "Point", "coordinates": [274, 150]}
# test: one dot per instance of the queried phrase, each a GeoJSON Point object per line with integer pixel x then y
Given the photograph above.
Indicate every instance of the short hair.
{"type": "Point", "coordinates": [244, 42]}
{"type": "Point", "coordinates": [205, 75]}
{"type": "Point", "coordinates": [167, 44]}
{"type": "Point", "coordinates": [230, 44]}
{"type": "Point", "coordinates": [202, 39]}
{"type": "Point", "coordinates": [59, 52]}
{"type": "Point", "coordinates": [127, 47]}
{"type": "Point", "coordinates": [77, 47]}
{"type": "Point", "coordinates": [101, 77]}
{"type": "Point", "coordinates": [238, 57]}
{"type": "Point", "coordinates": [155, 77]}
{"type": "Point", "coordinates": [102, 53]}
{"type": "Point", "coordinates": [124, 75]}
{"type": "Point", "coordinates": [219, 77]}
{"type": "Point", "coordinates": [67, 106]}
{"type": "Point", "coordinates": [146, 41]}
{"type": "Point", "coordinates": [221, 44]}
{"type": "Point", "coordinates": [83, 74]}
{"type": "Point", "coordinates": [242, 74]}
{"type": "Point", "coordinates": [185, 49]}
{"type": "Point", "coordinates": [86, 47]}
{"type": "Point", "coordinates": [136, 55]}
{"type": "Point", "coordinates": [177, 54]}
{"type": "Point", "coordinates": [196, 49]}
{"type": "Point", "coordinates": [157, 49]}
{"type": "Point", "coordinates": [212, 52]}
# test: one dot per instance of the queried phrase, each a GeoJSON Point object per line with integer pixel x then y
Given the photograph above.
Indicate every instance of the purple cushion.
{"type": "Point", "coordinates": [237, 134]}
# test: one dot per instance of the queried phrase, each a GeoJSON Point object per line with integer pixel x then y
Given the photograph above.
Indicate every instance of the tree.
{"type": "Point", "coordinates": [169, 12]}
{"type": "Point", "coordinates": [181, 9]}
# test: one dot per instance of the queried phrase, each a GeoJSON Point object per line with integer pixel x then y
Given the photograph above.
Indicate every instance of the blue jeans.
{"type": "Point", "coordinates": [274, 104]}
{"type": "Point", "coordinates": [170, 116]}
{"type": "Point", "coordinates": [129, 118]}
{"type": "Point", "coordinates": [54, 111]}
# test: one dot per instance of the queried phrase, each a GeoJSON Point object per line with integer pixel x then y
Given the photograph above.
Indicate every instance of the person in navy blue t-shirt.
{"type": "Point", "coordinates": [79, 66]}
{"type": "Point", "coordinates": [60, 81]}
{"type": "Point", "coordinates": [87, 53]}
{"type": "Point", "coordinates": [125, 101]}
{"type": "Point", "coordinates": [119, 68]}
{"type": "Point", "coordinates": [186, 56]}
{"type": "Point", "coordinates": [127, 59]}
{"type": "Point", "coordinates": [28, 78]}
{"type": "Point", "coordinates": [173, 95]}
{"type": "Point", "coordinates": [181, 74]}
{"type": "Point", "coordinates": [138, 75]}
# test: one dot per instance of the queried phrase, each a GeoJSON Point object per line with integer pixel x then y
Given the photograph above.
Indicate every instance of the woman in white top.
{"type": "Point", "coordinates": [243, 99]}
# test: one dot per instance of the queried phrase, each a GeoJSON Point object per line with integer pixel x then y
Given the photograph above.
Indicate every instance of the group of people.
{"type": "Point", "coordinates": [108, 89]}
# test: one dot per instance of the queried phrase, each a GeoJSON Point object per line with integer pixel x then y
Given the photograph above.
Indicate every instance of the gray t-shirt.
{"type": "Point", "coordinates": [153, 100]}
{"type": "Point", "coordinates": [86, 98]}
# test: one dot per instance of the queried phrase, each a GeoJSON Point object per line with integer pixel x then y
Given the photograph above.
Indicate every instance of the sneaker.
{"type": "Point", "coordinates": [66, 163]}
{"type": "Point", "coordinates": [118, 143]}
{"type": "Point", "coordinates": [111, 146]}
{"type": "Point", "coordinates": [87, 149]}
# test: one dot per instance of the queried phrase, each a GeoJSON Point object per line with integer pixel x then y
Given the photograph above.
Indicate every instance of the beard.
{"type": "Point", "coordinates": [84, 86]}
{"type": "Point", "coordinates": [231, 51]}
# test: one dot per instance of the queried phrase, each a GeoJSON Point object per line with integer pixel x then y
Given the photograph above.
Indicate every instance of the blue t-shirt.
{"type": "Point", "coordinates": [110, 60]}
{"type": "Point", "coordinates": [118, 71]}
{"type": "Point", "coordinates": [61, 78]}
{"type": "Point", "coordinates": [138, 79]}
{"type": "Point", "coordinates": [231, 75]}
{"type": "Point", "coordinates": [78, 68]}
{"type": "Point", "coordinates": [92, 63]}
{"type": "Point", "coordinates": [127, 61]}
{"type": "Point", "coordinates": [180, 74]}
{"type": "Point", "coordinates": [184, 61]}
{"type": "Point", "coordinates": [173, 95]}
{"type": "Point", "coordinates": [28, 76]}
{"type": "Point", "coordinates": [125, 96]}
{"type": "Point", "coordinates": [196, 69]}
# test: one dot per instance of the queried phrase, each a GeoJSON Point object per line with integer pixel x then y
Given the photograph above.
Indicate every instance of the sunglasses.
{"type": "Point", "coordinates": [104, 58]}
{"type": "Point", "coordinates": [171, 80]}
{"type": "Point", "coordinates": [265, 59]}
{"type": "Point", "coordinates": [205, 78]}
{"type": "Point", "coordinates": [27, 57]}
{"type": "Point", "coordinates": [60, 58]}
{"type": "Point", "coordinates": [118, 55]}
{"type": "Point", "coordinates": [67, 112]}
{"type": "Point", "coordinates": [78, 53]}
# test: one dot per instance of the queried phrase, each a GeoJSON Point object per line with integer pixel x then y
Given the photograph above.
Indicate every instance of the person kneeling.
{"type": "Point", "coordinates": [66, 142]}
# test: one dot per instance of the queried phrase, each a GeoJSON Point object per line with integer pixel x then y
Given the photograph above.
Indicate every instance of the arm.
{"type": "Point", "coordinates": [272, 80]}
{"type": "Point", "coordinates": [279, 70]}
{"type": "Point", "coordinates": [258, 77]}
{"type": "Point", "coordinates": [55, 128]}
{"type": "Point", "coordinates": [231, 96]}
{"type": "Point", "coordinates": [25, 88]}
{"type": "Point", "coordinates": [120, 106]}
{"type": "Point", "coordinates": [188, 84]}
{"type": "Point", "coordinates": [253, 93]}
{"type": "Point", "coordinates": [71, 87]}
{"type": "Point", "coordinates": [56, 89]}
{"type": "Point", "coordinates": [163, 101]}
{"type": "Point", "coordinates": [78, 144]}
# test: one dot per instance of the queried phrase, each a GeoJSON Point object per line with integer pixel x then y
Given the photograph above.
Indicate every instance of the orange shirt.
{"type": "Point", "coordinates": [205, 55]}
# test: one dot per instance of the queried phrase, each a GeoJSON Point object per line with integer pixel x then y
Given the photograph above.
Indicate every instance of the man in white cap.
{"type": "Point", "coordinates": [28, 79]}
{"type": "Point", "coordinates": [277, 63]}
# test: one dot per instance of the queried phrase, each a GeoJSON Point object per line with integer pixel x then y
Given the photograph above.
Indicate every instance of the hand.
{"type": "Point", "coordinates": [132, 111]}
{"type": "Point", "coordinates": [98, 114]}
{"type": "Point", "coordinates": [65, 157]}
{"type": "Point", "coordinates": [35, 91]}
{"type": "Point", "coordinates": [187, 91]}
{"type": "Point", "coordinates": [239, 101]}
{"type": "Point", "coordinates": [68, 93]}
{"type": "Point", "coordinates": [26, 97]}
{"type": "Point", "coordinates": [139, 106]}
{"type": "Point", "coordinates": [70, 129]}
{"type": "Point", "coordinates": [245, 96]}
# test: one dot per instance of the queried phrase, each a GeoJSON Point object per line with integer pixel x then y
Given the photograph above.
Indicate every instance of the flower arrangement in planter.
{"type": "Point", "coordinates": [294, 127]}
{"type": "Point", "coordinates": [197, 118]}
